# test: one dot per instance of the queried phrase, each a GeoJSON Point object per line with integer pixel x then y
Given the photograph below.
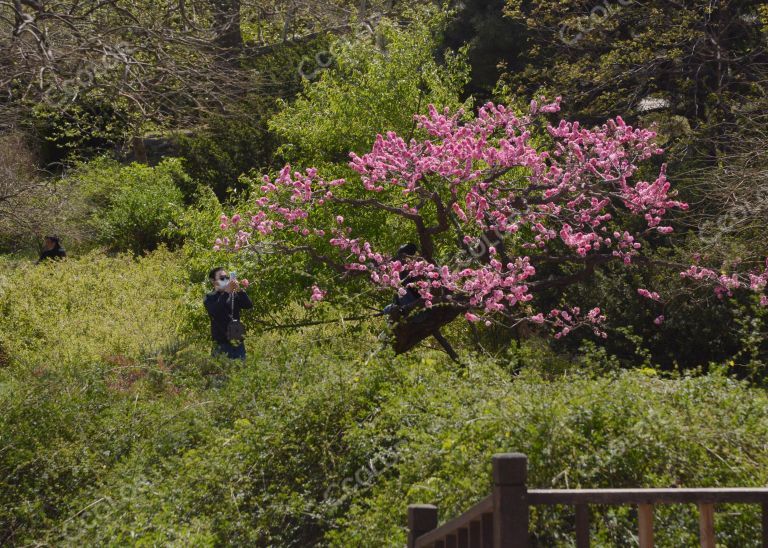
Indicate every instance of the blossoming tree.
{"type": "Point", "coordinates": [502, 206]}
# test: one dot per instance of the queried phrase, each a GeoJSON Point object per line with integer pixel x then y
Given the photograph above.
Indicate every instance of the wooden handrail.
{"type": "Point", "coordinates": [682, 495]}
{"type": "Point", "coordinates": [475, 513]}
{"type": "Point", "coordinates": [501, 519]}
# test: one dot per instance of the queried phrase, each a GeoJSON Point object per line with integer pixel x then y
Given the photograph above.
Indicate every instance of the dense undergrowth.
{"type": "Point", "coordinates": [118, 428]}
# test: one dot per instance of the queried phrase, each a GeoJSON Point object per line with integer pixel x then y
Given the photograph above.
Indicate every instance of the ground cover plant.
{"type": "Point", "coordinates": [323, 436]}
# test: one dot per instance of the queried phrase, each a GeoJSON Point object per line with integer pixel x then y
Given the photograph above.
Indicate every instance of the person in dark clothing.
{"type": "Point", "coordinates": [52, 249]}
{"type": "Point", "coordinates": [224, 304]}
{"type": "Point", "coordinates": [403, 304]}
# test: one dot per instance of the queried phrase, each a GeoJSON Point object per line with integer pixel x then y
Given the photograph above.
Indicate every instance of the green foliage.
{"type": "Point", "coordinates": [198, 226]}
{"type": "Point", "coordinates": [73, 336]}
{"type": "Point", "coordinates": [605, 59]}
{"type": "Point", "coordinates": [375, 84]}
{"type": "Point", "coordinates": [118, 427]}
{"type": "Point", "coordinates": [281, 454]}
{"type": "Point", "coordinates": [131, 206]}
{"type": "Point", "coordinates": [698, 328]}
{"type": "Point", "coordinates": [91, 307]}
{"type": "Point", "coordinates": [495, 43]}
{"type": "Point", "coordinates": [229, 146]}
{"type": "Point", "coordinates": [623, 430]}
{"type": "Point", "coordinates": [81, 129]}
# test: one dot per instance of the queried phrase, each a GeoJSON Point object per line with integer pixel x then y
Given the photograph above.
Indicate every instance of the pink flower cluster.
{"type": "Point", "coordinates": [725, 284]}
{"type": "Point", "coordinates": [652, 295]}
{"type": "Point", "coordinates": [568, 320]}
{"type": "Point", "coordinates": [317, 294]}
{"type": "Point", "coordinates": [462, 180]}
{"type": "Point", "coordinates": [495, 289]}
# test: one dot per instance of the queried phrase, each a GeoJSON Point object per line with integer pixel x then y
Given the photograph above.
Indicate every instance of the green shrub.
{"type": "Point", "coordinates": [119, 428]}
{"type": "Point", "coordinates": [375, 85]}
{"type": "Point", "coordinates": [624, 430]}
{"type": "Point", "coordinates": [198, 226]}
{"type": "Point", "coordinates": [91, 307]}
{"type": "Point", "coordinates": [131, 206]}
{"type": "Point", "coordinates": [229, 147]}
{"type": "Point", "coordinates": [281, 454]}
{"type": "Point", "coordinates": [79, 339]}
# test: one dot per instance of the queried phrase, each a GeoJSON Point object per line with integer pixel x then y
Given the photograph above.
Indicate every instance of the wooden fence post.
{"type": "Point", "coordinates": [764, 506]}
{"type": "Point", "coordinates": [645, 525]}
{"type": "Point", "coordinates": [510, 500]}
{"type": "Point", "coordinates": [422, 518]}
{"type": "Point", "coordinates": [582, 526]}
{"type": "Point", "coordinates": [707, 525]}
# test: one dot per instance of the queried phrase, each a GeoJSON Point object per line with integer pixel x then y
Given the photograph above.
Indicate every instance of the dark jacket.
{"type": "Point", "coordinates": [411, 296]}
{"type": "Point", "coordinates": [55, 253]}
{"type": "Point", "coordinates": [219, 307]}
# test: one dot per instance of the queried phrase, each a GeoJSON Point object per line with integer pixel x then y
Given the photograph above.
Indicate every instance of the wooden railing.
{"type": "Point", "coordinates": [501, 519]}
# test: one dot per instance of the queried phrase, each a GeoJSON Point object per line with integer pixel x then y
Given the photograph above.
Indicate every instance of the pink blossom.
{"type": "Point", "coordinates": [486, 176]}
{"type": "Point", "coordinates": [648, 294]}
{"type": "Point", "coordinates": [317, 294]}
{"type": "Point", "coordinates": [725, 284]}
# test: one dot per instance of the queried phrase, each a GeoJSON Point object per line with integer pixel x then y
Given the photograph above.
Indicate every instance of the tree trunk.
{"type": "Point", "coordinates": [139, 150]}
{"type": "Point", "coordinates": [226, 21]}
{"type": "Point", "coordinates": [410, 330]}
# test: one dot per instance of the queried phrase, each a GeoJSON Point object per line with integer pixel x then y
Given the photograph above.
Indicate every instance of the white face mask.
{"type": "Point", "coordinates": [222, 284]}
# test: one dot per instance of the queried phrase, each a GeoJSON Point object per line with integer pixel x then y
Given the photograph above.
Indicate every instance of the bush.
{"type": "Point", "coordinates": [118, 427]}
{"type": "Point", "coordinates": [58, 313]}
{"type": "Point", "coordinates": [198, 226]}
{"type": "Point", "coordinates": [624, 430]}
{"type": "Point", "coordinates": [315, 442]}
{"type": "Point", "coordinates": [78, 340]}
{"type": "Point", "coordinates": [229, 147]}
{"type": "Point", "coordinates": [131, 206]}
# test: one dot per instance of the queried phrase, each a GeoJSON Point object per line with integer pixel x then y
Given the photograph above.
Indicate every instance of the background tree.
{"type": "Point", "coordinates": [494, 43]}
{"type": "Point", "coordinates": [377, 80]}
{"type": "Point", "coordinates": [701, 60]}
{"type": "Point", "coordinates": [26, 196]}
{"type": "Point", "coordinates": [497, 218]}
{"type": "Point", "coordinates": [167, 63]}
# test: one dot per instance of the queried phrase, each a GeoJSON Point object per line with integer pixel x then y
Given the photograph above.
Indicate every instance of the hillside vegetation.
{"type": "Point", "coordinates": [146, 136]}
{"type": "Point", "coordinates": [118, 427]}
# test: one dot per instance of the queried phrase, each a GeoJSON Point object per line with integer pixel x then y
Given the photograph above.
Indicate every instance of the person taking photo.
{"type": "Point", "coordinates": [224, 304]}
